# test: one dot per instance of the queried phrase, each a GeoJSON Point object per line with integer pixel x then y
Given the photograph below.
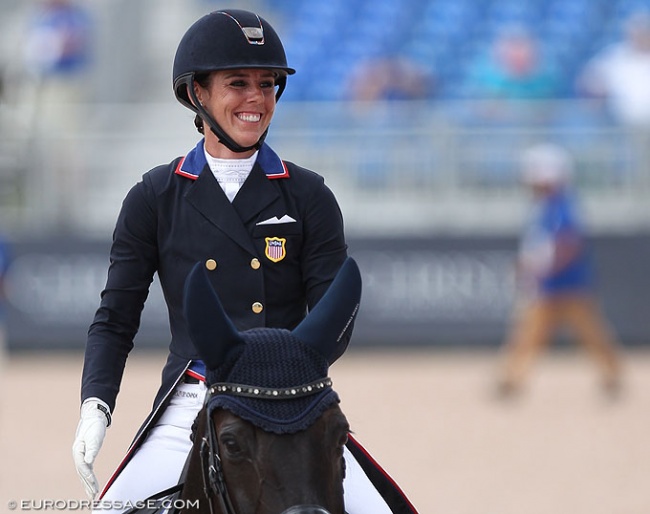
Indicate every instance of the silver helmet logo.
{"type": "Point", "coordinates": [254, 35]}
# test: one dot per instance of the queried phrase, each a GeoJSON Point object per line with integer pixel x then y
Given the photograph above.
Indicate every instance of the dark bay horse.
{"type": "Point", "coordinates": [270, 437]}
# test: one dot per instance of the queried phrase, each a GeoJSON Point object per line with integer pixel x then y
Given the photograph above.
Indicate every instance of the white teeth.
{"type": "Point", "coordinates": [249, 117]}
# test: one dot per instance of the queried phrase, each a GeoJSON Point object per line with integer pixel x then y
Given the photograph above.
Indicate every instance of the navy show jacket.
{"type": "Point", "coordinates": [267, 269]}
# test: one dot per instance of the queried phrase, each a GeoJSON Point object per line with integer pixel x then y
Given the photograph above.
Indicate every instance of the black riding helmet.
{"type": "Point", "coordinates": [224, 40]}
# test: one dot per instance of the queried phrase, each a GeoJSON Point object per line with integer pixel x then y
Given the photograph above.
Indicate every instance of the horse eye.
{"type": "Point", "coordinates": [231, 446]}
{"type": "Point", "coordinates": [343, 439]}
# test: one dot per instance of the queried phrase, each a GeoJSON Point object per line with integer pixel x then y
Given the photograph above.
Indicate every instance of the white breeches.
{"type": "Point", "coordinates": [159, 461]}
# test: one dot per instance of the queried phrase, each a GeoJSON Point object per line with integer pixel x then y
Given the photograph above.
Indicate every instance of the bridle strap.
{"type": "Point", "coordinates": [214, 482]}
{"type": "Point", "coordinates": [271, 393]}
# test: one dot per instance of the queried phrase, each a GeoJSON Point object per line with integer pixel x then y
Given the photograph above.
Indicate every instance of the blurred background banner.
{"type": "Point", "coordinates": [416, 112]}
{"type": "Point", "coordinates": [437, 292]}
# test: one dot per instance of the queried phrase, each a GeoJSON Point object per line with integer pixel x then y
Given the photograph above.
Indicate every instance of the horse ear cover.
{"type": "Point", "coordinates": [272, 357]}
{"type": "Point", "coordinates": [330, 321]}
{"type": "Point", "coordinates": [324, 329]}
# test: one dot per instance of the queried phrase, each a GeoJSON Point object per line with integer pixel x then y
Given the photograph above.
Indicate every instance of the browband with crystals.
{"type": "Point", "coordinates": [271, 393]}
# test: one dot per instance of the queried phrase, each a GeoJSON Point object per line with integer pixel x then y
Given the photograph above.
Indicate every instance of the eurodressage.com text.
{"type": "Point", "coordinates": [73, 505]}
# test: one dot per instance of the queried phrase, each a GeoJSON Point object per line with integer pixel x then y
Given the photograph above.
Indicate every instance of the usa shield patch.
{"type": "Point", "coordinates": [275, 248]}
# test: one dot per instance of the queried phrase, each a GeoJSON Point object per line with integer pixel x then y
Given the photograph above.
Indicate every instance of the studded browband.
{"type": "Point", "coordinates": [271, 393]}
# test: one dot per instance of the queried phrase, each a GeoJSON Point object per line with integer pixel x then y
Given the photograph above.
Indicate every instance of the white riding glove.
{"type": "Point", "coordinates": [95, 419]}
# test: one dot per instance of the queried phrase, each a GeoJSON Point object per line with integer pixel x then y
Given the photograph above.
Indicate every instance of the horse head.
{"type": "Point", "coordinates": [270, 437]}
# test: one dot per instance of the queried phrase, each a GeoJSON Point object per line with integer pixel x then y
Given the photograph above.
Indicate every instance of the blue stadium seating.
{"type": "Point", "coordinates": [326, 40]}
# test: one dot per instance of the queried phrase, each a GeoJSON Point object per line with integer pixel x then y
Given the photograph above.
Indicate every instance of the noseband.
{"type": "Point", "coordinates": [214, 481]}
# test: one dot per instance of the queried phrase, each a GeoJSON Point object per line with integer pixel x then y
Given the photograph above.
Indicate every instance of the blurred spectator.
{"type": "Point", "coordinates": [57, 56]}
{"type": "Point", "coordinates": [555, 277]}
{"type": "Point", "coordinates": [513, 69]}
{"type": "Point", "coordinates": [506, 83]}
{"type": "Point", "coordinates": [46, 44]}
{"type": "Point", "coordinates": [390, 78]}
{"type": "Point", "coordinates": [620, 74]}
{"type": "Point", "coordinates": [58, 40]}
{"type": "Point", "coordinates": [386, 79]}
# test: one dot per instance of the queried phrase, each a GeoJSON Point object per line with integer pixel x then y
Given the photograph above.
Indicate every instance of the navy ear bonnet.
{"type": "Point", "coordinates": [284, 372]}
{"type": "Point", "coordinates": [273, 359]}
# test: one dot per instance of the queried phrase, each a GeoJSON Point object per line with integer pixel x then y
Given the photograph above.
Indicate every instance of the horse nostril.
{"type": "Point", "coordinates": [306, 509]}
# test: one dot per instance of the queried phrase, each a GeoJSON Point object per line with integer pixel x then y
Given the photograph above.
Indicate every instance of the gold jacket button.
{"type": "Point", "coordinates": [255, 263]}
{"type": "Point", "coordinates": [257, 307]}
{"type": "Point", "coordinates": [211, 264]}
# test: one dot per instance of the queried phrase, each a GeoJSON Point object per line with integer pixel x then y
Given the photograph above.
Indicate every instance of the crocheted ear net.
{"type": "Point", "coordinates": [273, 358]}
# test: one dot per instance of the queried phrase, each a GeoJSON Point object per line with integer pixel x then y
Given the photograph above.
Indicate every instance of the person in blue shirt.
{"type": "Point", "coordinates": [58, 39]}
{"type": "Point", "coordinates": [555, 276]}
{"type": "Point", "coordinates": [515, 68]}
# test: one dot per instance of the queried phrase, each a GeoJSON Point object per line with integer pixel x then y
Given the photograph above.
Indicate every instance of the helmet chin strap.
{"type": "Point", "coordinates": [224, 138]}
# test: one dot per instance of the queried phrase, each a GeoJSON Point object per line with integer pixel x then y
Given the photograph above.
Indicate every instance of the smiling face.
{"type": "Point", "coordinates": [242, 102]}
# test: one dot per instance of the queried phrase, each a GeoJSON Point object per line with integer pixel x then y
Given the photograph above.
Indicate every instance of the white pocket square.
{"type": "Point", "coordinates": [276, 221]}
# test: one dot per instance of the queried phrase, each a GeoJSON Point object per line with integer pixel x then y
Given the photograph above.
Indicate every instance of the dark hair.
{"type": "Point", "coordinates": [203, 80]}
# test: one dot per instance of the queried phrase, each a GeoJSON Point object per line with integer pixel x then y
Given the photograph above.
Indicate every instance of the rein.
{"type": "Point", "coordinates": [214, 481]}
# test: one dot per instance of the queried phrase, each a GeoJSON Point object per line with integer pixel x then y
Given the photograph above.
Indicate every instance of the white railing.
{"type": "Point", "coordinates": [396, 168]}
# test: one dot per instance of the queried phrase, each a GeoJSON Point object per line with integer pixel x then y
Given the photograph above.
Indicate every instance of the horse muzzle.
{"type": "Point", "coordinates": [306, 509]}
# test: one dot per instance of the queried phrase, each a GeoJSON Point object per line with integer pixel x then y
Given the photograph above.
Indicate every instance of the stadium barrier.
{"type": "Point", "coordinates": [427, 291]}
